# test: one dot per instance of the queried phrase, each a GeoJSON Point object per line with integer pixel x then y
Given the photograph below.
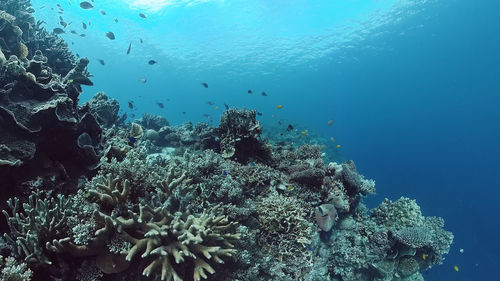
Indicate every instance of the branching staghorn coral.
{"type": "Point", "coordinates": [177, 240]}
{"type": "Point", "coordinates": [40, 221]}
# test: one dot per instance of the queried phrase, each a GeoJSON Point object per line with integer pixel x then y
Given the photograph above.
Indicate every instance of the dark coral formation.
{"type": "Point", "coordinates": [146, 200]}
{"type": "Point", "coordinates": [240, 136]}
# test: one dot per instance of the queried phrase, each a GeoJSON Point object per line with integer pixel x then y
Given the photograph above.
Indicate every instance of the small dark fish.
{"type": "Point", "coordinates": [250, 91]}
{"type": "Point", "coordinates": [142, 80]}
{"type": "Point", "coordinates": [184, 112]}
{"type": "Point", "coordinates": [151, 62]}
{"type": "Point", "coordinates": [160, 104]}
{"type": "Point", "coordinates": [210, 103]}
{"type": "Point", "coordinates": [60, 18]}
{"type": "Point", "coordinates": [289, 128]}
{"type": "Point", "coordinates": [264, 94]}
{"type": "Point", "coordinates": [226, 106]}
{"type": "Point", "coordinates": [142, 15]}
{"type": "Point", "coordinates": [102, 12]}
{"type": "Point", "coordinates": [110, 35]}
{"type": "Point", "coordinates": [204, 84]}
{"type": "Point", "coordinates": [74, 32]}
{"type": "Point", "coordinates": [129, 47]}
{"type": "Point", "coordinates": [58, 5]}
{"type": "Point", "coordinates": [132, 141]}
{"type": "Point", "coordinates": [42, 7]}
{"type": "Point", "coordinates": [86, 5]}
{"type": "Point", "coordinates": [131, 104]}
{"type": "Point", "coordinates": [84, 25]}
{"type": "Point", "coordinates": [224, 173]}
{"type": "Point", "coordinates": [140, 40]}
{"type": "Point", "coordinates": [58, 30]}
{"type": "Point", "coordinates": [259, 113]}
{"type": "Point", "coordinates": [116, 20]}
{"type": "Point", "coordinates": [82, 35]}
{"type": "Point", "coordinates": [101, 62]}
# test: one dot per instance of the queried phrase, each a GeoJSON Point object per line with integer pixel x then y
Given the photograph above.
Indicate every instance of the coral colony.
{"type": "Point", "coordinates": [88, 196]}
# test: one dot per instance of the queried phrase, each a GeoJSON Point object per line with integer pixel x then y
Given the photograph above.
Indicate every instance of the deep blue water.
{"type": "Point", "coordinates": [413, 87]}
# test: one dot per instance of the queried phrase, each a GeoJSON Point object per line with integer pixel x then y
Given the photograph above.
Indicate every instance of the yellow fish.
{"type": "Point", "coordinates": [330, 122]}
{"type": "Point", "coordinates": [338, 145]}
{"type": "Point", "coordinates": [304, 133]}
{"type": "Point", "coordinates": [279, 106]}
{"type": "Point", "coordinates": [424, 256]}
{"type": "Point", "coordinates": [289, 187]}
{"type": "Point", "coordinates": [70, 80]}
{"type": "Point", "coordinates": [456, 268]}
{"type": "Point", "coordinates": [332, 139]}
{"type": "Point", "coordinates": [216, 107]}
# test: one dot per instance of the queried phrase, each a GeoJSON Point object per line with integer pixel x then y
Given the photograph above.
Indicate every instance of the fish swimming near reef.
{"type": "Point", "coordinates": [151, 62]}
{"type": "Point", "coordinates": [74, 32]}
{"type": "Point", "coordinates": [84, 25]}
{"type": "Point", "coordinates": [160, 104]}
{"type": "Point", "coordinates": [58, 30]}
{"type": "Point", "coordinates": [204, 84]}
{"type": "Point", "coordinates": [101, 61]}
{"type": "Point", "coordinates": [131, 104]}
{"type": "Point", "coordinates": [330, 122]}
{"type": "Point", "coordinates": [210, 102]}
{"type": "Point", "coordinates": [116, 20]}
{"type": "Point", "coordinates": [102, 12]}
{"type": "Point", "coordinates": [289, 128]}
{"type": "Point", "coordinates": [264, 94]}
{"type": "Point", "coordinates": [129, 47]}
{"type": "Point", "coordinates": [82, 35]}
{"type": "Point", "coordinates": [259, 113]}
{"type": "Point", "coordinates": [226, 106]}
{"type": "Point", "coordinates": [110, 35]}
{"type": "Point", "coordinates": [86, 5]}
{"type": "Point", "coordinates": [249, 91]}
{"type": "Point", "coordinates": [142, 15]}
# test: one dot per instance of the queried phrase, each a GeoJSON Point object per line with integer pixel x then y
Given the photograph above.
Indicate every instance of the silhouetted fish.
{"type": "Point", "coordinates": [131, 104]}
{"type": "Point", "coordinates": [58, 30]}
{"type": "Point", "coordinates": [160, 104]}
{"type": "Point", "coordinates": [289, 128]}
{"type": "Point", "coordinates": [129, 47]}
{"type": "Point", "coordinates": [259, 113]}
{"type": "Point", "coordinates": [102, 12]}
{"type": "Point", "coordinates": [84, 25]}
{"type": "Point", "coordinates": [264, 94]}
{"type": "Point", "coordinates": [210, 102]}
{"type": "Point", "coordinates": [142, 80]}
{"type": "Point", "coordinates": [250, 91]}
{"type": "Point", "coordinates": [184, 112]}
{"type": "Point", "coordinates": [226, 106]}
{"type": "Point", "coordinates": [101, 61]}
{"type": "Point", "coordinates": [140, 39]}
{"type": "Point", "coordinates": [82, 35]}
{"type": "Point", "coordinates": [116, 20]}
{"type": "Point", "coordinates": [74, 32]}
{"type": "Point", "coordinates": [142, 15]}
{"type": "Point", "coordinates": [204, 84]}
{"type": "Point", "coordinates": [110, 35]}
{"type": "Point", "coordinates": [86, 5]}
{"type": "Point", "coordinates": [151, 62]}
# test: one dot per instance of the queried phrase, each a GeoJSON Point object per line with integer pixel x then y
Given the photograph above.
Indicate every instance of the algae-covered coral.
{"type": "Point", "coordinates": [110, 200]}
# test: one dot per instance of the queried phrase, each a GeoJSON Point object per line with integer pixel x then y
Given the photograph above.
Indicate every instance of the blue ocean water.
{"type": "Point", "coordinates": [412, 86]}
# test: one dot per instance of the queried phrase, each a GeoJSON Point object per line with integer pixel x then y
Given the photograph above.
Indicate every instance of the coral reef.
{"type": "Point", "coordinates": [148, 200]}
